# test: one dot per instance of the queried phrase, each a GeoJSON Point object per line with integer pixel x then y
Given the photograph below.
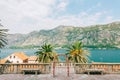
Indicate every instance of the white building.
{"type": "Point", "coordinates": [32, 59]}
{"type": "Point", "coordinates": [18, 57]}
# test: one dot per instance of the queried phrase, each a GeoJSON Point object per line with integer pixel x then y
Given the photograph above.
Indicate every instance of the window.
{"type": "Point", "coordinates": [14, 56]}
{"type": "Point", "coordinates": [10, 57]}
{"type": "Point", "coordinates": [17, 61]}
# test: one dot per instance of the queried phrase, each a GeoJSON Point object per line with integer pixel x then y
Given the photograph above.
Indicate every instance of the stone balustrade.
{"type": "Point", "coordinates": [108, 67]}
{"type": "Point", "coordinates": [17, 68]}
{"type": "Point", "coordinates": [9, 68]}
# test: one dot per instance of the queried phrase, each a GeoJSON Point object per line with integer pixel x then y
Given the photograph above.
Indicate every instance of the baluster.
{"type": "Point", "coordinates": [113, 68]}
{"type": "Point", "coordinates": [15, 68]}
{"type": "Point", "coordinates": [118, 67]}
{"type": "Point", "coordinates": [18, 66]}
{"type": "Point", "coordinates": [11, 68]}
{"type": "Point", "coordinates": [5, 68]}
{"type": "Point", "coordinates": [110, 68]}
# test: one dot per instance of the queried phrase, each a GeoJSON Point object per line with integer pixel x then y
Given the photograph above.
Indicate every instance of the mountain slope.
{"type": "Point", "coordinates": [96, 36]}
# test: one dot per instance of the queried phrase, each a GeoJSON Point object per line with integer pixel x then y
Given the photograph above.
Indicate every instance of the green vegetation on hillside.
{"type": "Point", "coordinates": [96, 36]}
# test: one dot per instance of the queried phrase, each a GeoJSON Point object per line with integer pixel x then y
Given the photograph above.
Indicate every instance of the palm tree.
{"type": "Point", "coordinates": [46, 54]}
{"type": "Point", "coordinates": [76, 54]}
{"type": "Point", "coordinates": [3, 40]}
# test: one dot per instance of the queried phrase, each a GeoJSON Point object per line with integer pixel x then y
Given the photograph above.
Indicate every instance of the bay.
{"type": "Point", "coordinates": [110, 56]}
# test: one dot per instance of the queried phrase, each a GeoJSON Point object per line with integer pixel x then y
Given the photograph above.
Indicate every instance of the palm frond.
{"type": "Point", "coordinates": [45, 53]}
{"type": "Point", "coordinates": [3, 40]}
{"type": "Point", "coordinates": [77, 54]}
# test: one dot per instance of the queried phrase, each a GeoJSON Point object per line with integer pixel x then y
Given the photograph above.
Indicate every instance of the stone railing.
{"type": "Point", "coordinates": [107, 67]}
{"type": "Point", "coordinates": [46, 67]}
{"type": "Point", "coordinates": [17, 68]}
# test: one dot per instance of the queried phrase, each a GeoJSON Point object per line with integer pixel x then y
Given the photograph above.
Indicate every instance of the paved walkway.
{"type": "Point", "coordinates": [60, 77]}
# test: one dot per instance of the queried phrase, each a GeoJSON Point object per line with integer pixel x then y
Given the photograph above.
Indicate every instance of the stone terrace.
{"type": "Point", "coordinates": [59, 77]}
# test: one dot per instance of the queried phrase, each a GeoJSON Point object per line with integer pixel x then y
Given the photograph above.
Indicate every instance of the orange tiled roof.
{"type": "Point", "coordinates": [21, 55]}
{"type": "Point", "coordinates": [33, 58]}
{"type": "Point", "coordinates": [2, 61]}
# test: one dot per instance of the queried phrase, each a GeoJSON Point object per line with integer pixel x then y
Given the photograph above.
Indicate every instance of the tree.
{"type": "Point", "coordinates": [3, 40]}
{"type": "Point", "coordinates": [76, 54]}
{"type": "Point", "coordinates": [45, 54]}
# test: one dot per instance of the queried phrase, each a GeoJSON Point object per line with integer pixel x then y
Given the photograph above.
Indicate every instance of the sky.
{"type": "Point", "coordinates": [24, 16]}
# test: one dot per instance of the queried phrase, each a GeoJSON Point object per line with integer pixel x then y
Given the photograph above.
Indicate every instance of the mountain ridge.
{"type": "Point", "coordinates": [94, 36]}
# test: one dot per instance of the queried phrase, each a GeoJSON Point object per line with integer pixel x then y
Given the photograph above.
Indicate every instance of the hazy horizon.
{"type": "Point", "coordinates": [24, 16]}
{"type": "Point", "coordinates": [65, 26]}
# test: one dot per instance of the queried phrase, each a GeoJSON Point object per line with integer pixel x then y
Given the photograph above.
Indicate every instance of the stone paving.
{"type": "Point", "coordinates": [59, 77]}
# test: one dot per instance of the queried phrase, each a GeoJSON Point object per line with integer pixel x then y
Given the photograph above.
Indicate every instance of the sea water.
{"type": "Point", "coordinates": [95, 55]}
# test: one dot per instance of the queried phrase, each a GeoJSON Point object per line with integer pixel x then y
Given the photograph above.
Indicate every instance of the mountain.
{"type": "Point", "coordinates": [95, 36]}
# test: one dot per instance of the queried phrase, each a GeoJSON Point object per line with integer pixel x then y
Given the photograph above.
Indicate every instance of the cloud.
{"type": "Point", "coordinates": [24, 13]}
{"type": "Point", "coordinates": [108, 19]}
{"type": "Point", "coordinates": [29, 8]}
{"type": "Point", "coordinates": [23, 16]}
{"type": "Point", "coordinates": [83, 19]}
{"type": "Point", "coordinates": [62, 5]}
{"type": "Point", "coordinates": [94, 7]}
